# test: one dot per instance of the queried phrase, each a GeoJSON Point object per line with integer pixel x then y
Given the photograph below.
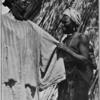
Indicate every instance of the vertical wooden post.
{"type": "Point", "coordinates": [99, 48]}
{"type": "Point", "coordinates": [0, 49]}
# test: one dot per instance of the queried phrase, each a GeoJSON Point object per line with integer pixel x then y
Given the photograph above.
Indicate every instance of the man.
{"type": "Point", "coordinates": [19, 75]}
{"type": "Point", "coordinates": [78, 73]}
{"type": "Point", "coordinates": [26, 51]}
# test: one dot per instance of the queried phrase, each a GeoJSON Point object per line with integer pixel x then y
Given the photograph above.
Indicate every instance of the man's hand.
{"type": "Point", "coordinates": [60, 45]}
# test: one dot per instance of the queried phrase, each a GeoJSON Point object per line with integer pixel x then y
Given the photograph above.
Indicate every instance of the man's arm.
{"type": "Point", "coordinates": [84, 50]}
{"type": "Point", "coordinates": [71, 52]}
{"type": "Point", "coordinates": [84, 46]}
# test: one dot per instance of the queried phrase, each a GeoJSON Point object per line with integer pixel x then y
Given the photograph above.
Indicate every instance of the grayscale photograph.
{"type": "Point", "coordinates": [49, 50]}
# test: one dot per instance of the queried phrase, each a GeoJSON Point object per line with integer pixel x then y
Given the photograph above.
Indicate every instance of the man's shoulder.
{"type": "Point", "coordinates": [11, 20]}
{"type": "Point", "coordinates": [81, 37]}
{"type": "Point", "coordinates": [84, 39]}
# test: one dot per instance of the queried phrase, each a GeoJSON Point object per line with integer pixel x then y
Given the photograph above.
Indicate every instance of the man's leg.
{"type": "Point", "coordinates": [80, 90]}
{"type": "Point", "coordinates": [62, 90]}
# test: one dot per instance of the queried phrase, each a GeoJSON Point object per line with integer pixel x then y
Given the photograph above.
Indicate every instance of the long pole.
{"type": "Point", "coordinates": [0, 54]}
{"type": "Point", "coordinates": [99, 51]}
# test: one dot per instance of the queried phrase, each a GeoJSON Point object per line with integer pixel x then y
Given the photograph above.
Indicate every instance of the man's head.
{"type": "Point", "coordinates": [8, 3]}
{"type": "Point", "coordinates": [17, 7]}
{"type": "Point", "coordinates": [71, 20]}
{"type": "Point", "coordinates": [23, 9]}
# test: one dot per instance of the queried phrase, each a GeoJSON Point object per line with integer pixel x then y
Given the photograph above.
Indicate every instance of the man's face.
{"type": "Point", "coordinates": [66, 20]}
{"type": "Point", "coordinates": [23, 3]}
{"type": "Point", "coordinates": [67, 24]}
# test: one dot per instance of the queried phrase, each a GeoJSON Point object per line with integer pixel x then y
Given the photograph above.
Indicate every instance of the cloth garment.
{"type": "Point", "coordinates": [73, 14]}
{"type": "Point", "coordinates": [54, 70]}
{"type": "Point", "coordinates": [26, 53]}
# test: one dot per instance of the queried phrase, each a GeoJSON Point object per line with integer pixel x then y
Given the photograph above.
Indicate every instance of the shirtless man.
{"type": "Point", "coordinates": [78, 71]}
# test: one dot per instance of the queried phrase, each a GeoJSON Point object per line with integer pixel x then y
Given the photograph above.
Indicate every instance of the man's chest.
{"type": "Point", "coordinates": [72, 42]}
